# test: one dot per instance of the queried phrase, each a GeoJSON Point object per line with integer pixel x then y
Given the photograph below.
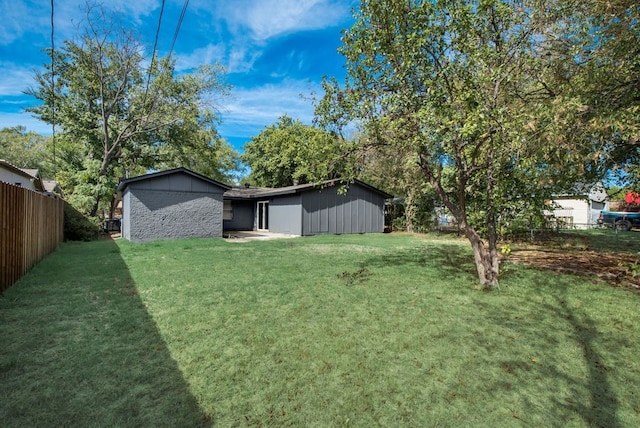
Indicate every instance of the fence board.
{"type": "Point", "coordinates": [31, 226]}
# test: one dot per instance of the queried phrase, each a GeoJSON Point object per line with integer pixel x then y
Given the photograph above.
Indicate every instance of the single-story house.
{"type": "Point", "coordinates": [177, 203]}
{"type": "Point", "coordinates": [307, 209]}
{"type": "Point", "coordinates": [180, 203]}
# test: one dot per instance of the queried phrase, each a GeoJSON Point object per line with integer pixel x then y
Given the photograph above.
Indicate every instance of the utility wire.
{"type": "Point", "coordinates": [155, 47]}
{"type": "Point", "coordinates": [175, 35]}
{"type": "Point", "coordinates": [155, 43]}
{"type": "Point", "coordinates": [53, 92]}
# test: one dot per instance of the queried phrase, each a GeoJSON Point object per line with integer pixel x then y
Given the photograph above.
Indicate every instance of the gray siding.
{"type": "Point", "coordinates": [170, 207]}
{"type": "Point", "coordinates": [358, 211]}
{"type": "Point", "coordinates": [243, 216]}
{"type": "Point", "coordinates": [285, 215]}
{"type": "Point", "coordinates": [178, 182]}
{"type": "Point", "coordinates": [126, 215]}
{"type": "Point", "coordinates": [156, 214]}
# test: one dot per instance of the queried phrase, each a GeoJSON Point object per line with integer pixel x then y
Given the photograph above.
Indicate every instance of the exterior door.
{"type": "Point", "coordinates": [263, 215]}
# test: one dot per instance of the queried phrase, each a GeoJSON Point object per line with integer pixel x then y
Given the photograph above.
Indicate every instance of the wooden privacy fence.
{"type": "Point", "coordinates": [31, 226]}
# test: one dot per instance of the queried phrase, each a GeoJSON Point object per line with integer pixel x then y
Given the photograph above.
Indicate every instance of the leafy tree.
{"type": "Point", "coordinates": [396, 171]}
{"type": "Point", "coordinates": [604, 82]}
{"type": "Point", "coordinates": [116, 117]}
{"type": "Point", "coordinates": [206, 153]}
{"type": "Point", "coordinates": [25, 149]}
{"type": "Point", "coordinates": [464, 86]}
{"type": "Point", "coordinates": [290, 151]}
{"type": "Point", "coordinates": [385, 160]}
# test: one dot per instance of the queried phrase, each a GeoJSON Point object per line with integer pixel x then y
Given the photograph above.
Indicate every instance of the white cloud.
{"type": "Point", "coordinates": [14, 79]}
{"type": "Point", "coordinates": [269, 18]}
{"type": "Point", "coordinates": [248, 111]}
{"type": "Point", "coordinates": [134, 9]}
{"type": "Point", "coordinates": [13, 23]}
{"type": "Point", "coordinates": [209, 54]}
{"type": "Point", "coordinates": [241, 59]}
{"type": "Point", "coordinates": [247, 26]}
{"type": "Point", "coordinates": [68, 15]}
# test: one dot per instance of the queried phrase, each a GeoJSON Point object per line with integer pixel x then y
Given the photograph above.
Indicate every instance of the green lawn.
{"type": "Point", "coordinates": [361, 330]}
{"type": "Point", "coordinates": [603, 240]}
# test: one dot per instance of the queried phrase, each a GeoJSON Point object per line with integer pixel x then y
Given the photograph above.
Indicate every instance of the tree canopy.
{"type": "Point", "coordinates": [26, 149]}
{"type": "Point", "coordinates": [119, 114]}
{"type": "Point", "coordinates": [477, 93]}
{"type": "Point", "coordinates": [289, 152]}
{"type": "Point", "coordinates": [604, 80]}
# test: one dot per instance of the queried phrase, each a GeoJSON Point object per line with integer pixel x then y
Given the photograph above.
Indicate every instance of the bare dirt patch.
{"type": "Point", "coordinates": [617, 269]}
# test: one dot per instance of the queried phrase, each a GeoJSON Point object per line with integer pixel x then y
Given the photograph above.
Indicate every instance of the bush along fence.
{"type": "Point", "coordinates": [31, 227]}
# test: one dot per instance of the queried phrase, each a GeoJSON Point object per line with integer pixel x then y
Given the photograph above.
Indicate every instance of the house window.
{"type": "Point", "coordinates": [227, 211]}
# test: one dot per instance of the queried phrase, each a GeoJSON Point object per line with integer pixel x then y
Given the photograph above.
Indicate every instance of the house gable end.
{"type": "Point", "coordinates": [13, 175]}
{"type": "Point", "coordinates": [179, 180]}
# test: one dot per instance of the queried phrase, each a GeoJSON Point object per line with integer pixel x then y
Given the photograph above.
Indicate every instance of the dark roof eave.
{"type": "Point", "coordinates": [241, 193]}
{"type": "Point", "coordinates": [26, 173]}
{"type": "Point", "coordinates": [15, 169]}
{"type": "Point", "coordinates": [258, 193]}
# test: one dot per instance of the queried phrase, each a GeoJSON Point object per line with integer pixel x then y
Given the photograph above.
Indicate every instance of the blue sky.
{"type": "Point", "coordinates": [274, 51]}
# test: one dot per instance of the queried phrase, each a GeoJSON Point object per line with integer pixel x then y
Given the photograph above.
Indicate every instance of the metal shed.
{"type": "Point", "coordinates": [308, 209]}
{"type": "Point", "coordinates": [176, 203]}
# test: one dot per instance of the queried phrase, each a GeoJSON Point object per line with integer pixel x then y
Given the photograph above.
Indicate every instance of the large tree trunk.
{"type": "Point", "coordinates": [112, 207]}
{"type": "Point", "coordinates": [94, 208]}
{"type": "Point", "coordinates": [484, 254]}
{"type": "Point", "coordinates": [107, 157]}
{"type": "Point", "coordinates": [410, 210]}
{"type": "Point", "coordinates": [486, 258]}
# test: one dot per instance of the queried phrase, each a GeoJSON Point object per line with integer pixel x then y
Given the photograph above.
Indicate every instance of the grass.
{"type": "Point", "coordinates": [606, 240]}
{"type": "Point", "coordinates": [325, 331]}
{"type": "Point", "coordinates": [603, 240]}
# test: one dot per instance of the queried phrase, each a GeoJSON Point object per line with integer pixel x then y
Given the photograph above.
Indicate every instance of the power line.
{"type": "Point", "coordinates": [53, 92]}
{"type": "Point", "coordinates": [155, 47]}
{"type": "Point", "coordinates": [155, 43]}
{"type": "Point", "coordinates": [175, 35]}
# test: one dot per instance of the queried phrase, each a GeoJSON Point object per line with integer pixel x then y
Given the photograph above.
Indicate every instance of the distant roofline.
{"type": "Point", "coordinates": [15, 169]}
{"type": "Point", "coordinates": [240, 193]}
{"type": "Point", "coordinates": [252, 193]}
{"type": "Point", "coordinates": [37, 182]}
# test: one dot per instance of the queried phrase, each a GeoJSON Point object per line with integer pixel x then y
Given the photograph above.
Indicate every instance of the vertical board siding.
{"type": "Point", "coordinates": [31, 226]}
{"type": "Point", "coordinates": [359, 210]}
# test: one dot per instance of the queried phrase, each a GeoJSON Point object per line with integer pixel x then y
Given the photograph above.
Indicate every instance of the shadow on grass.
{"type": "Point", "coordinates": [449, 258]}
{"type": "Point", "coordinates": [559, 323]}
{"type": "Point", "coordinates": [79, 348]}
{"type": "Point", "coordinates": [602, 240]}
{"type": "Point", "coordinates": [602, 406]}
{"type": "Point", "coordinates": [559, 330]}
{"type": "Point", "coordinates": [614, 241]}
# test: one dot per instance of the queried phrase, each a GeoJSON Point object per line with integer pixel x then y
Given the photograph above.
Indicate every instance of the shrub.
{"type": "Point", "coordinates": [78, 227]}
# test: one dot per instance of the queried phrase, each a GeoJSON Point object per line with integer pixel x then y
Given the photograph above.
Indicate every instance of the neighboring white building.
{"type": "Point", "coordinates": [27, 178]}
{"type": "Point", "coordinates": [579, 210]}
